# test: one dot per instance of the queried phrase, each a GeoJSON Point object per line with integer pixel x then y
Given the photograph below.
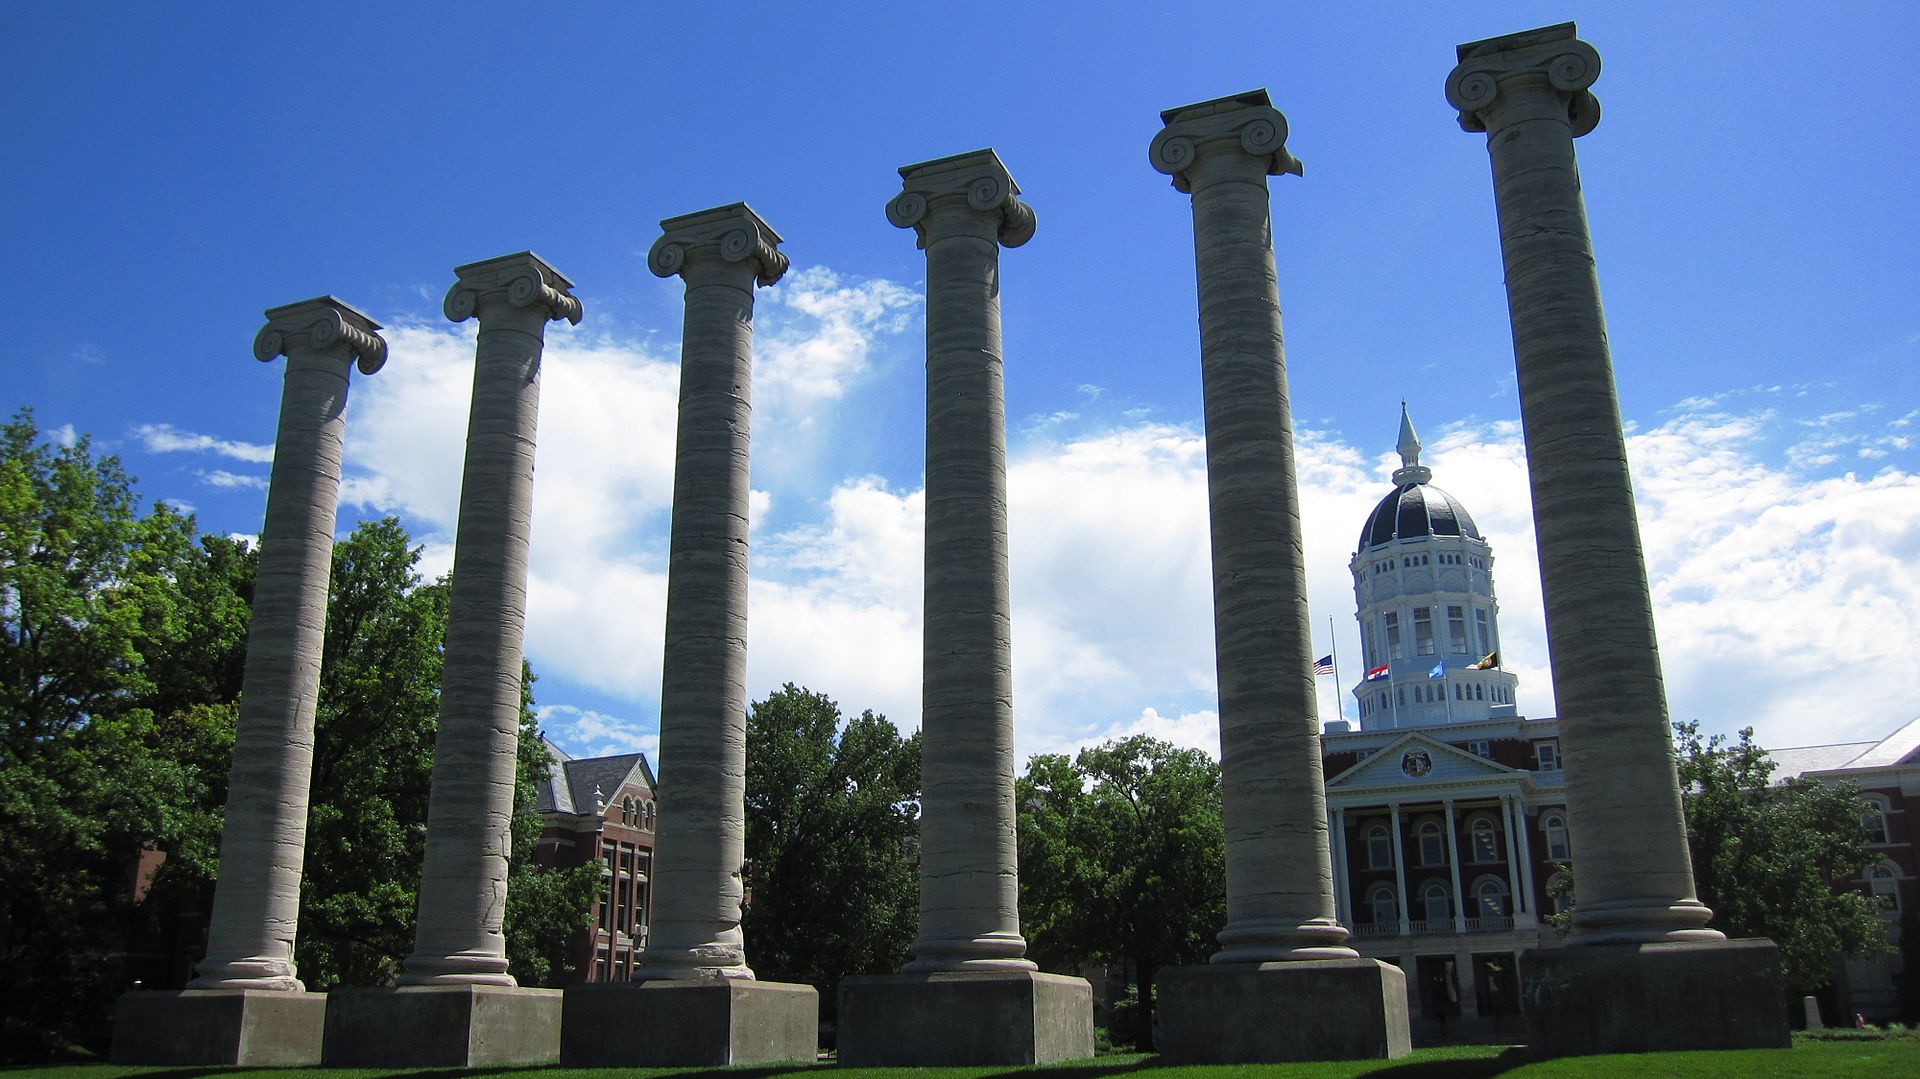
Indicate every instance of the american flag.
{"type": "Point", "coordinates": [1323, 665]}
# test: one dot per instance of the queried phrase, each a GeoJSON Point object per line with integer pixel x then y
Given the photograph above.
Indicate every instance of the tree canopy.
{"type": "Point", "coordinates": [1122, 859]}
{"type": "Point", "coordinates": [832, 826]}
{"type": "Point", "coordinates": [1777, 860]}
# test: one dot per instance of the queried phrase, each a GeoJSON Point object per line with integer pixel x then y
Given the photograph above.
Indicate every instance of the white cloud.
{"type": "Point", "coordinates": [816, 329]}
{"type": "Point", "coordinates": [165, 438]}
{"type": "Point", "coordinates": [220, 477]}
{"type": "Point", "coordinates": [583, 732]}
{"type": "Point", "coordinates": [63, 436]}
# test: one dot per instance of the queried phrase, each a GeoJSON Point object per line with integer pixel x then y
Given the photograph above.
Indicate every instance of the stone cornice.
{"type": "Point", "coordinates": [321, 323]}
{"type": "Point", "coordinates": [733, 233]}
{"type": "Point", "coordinates": [979, 178]}
{"type": "Point", "coordinates": [522, 280]}
{"type": "Point", "coordinates": [1246, 122]}
{"type": "Point", "coordinates": [1550, 58]}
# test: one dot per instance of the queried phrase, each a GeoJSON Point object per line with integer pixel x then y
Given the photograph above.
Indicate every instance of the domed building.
{"type": "Point", "coordinates": [1446, 806]}
{"type": "Point", "coordinates": [1429, 623]}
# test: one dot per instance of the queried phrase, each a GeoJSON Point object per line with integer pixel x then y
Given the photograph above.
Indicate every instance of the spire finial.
{"type": "Point", "coordinates": [1410, 470]}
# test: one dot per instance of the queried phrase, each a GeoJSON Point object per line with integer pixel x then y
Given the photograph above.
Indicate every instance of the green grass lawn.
{"type": "Point", "coordinates": [1878, 1058]}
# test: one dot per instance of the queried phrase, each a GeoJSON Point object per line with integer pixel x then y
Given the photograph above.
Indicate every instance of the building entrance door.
{"type": "Point", "coordinates": [1439, 987]}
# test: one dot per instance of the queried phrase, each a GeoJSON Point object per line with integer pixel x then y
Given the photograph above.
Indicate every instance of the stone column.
{"type": "Point", "coordinates": [1529, 93]}
{"type": "Point", "coordinates": [1526, 853]}
{"type": "Point", "coordinates": [951, 1004]}
{"type": "Point", "coordinates": [962, 209]}
{"type": "Point", "coordinates": [463, 886]}
{"type": "Point", "coordinates": [1283, 950]}
{"type": "Point", "coordinates": [1279, 888]}
{"type": "Point", "coordinates": [1400, 871]}
{"type": "Point", "coordinates": [694, 1001]}
{"type": "Point", "coordinates": [256, 901]}
{"type": "Point", "coordinates": [700, 844]}
{"type": "Point", "coordinates": [1342, 869]}
{"type": "Point", "coordinates": [1453, 867]}
{"type": "Point", "coordinates": [1519, 903]}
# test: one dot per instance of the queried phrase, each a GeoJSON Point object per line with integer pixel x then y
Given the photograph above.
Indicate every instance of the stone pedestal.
{"type": "Point", "coordinates": [964, 1019]}
{"type": "Point", "coordinates": [1329, 1009]}
{"type": "Point", "coordinates": [435, 1026]}
{"type": "Point", "coordinates": [246, 1027]}
{"type": "Point", "coordinates": [1649, 998]}
{"type": "Point", "coordinates": [671, 1023]}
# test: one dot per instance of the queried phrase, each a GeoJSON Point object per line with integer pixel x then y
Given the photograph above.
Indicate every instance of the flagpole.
{"type": "Point", "coordinates": [1333, 642]}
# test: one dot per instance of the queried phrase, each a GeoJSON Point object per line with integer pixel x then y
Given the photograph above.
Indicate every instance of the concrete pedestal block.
{"type": "Point", "coordinates": [1326, 1009]}
{"type": "Point", "coordinates": [253, 1027]}
{"type": "Point", "coordinates": [441, 1026]}
{"type": "Point", "coordinates": [962, 1019]}
{"type": "Point", "coordinates": [1647, 998]}
{"type": "Point", "coordinates": [671, 1023]}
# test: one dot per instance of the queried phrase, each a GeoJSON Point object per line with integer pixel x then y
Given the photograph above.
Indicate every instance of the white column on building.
{"type": "Point", "coordinates": [1513, 863]}
{"type": "Point", "coordinates": [1342, 871]}
{"type": "Point", "coordinates": [1526, 854]}
{"type": "Point", "coordinates": [1400, 872]}
{"type": "Point", "coordinates": [1453, 867]}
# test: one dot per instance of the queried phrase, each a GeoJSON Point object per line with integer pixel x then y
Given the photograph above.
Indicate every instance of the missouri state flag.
{"type": "Point", "coordinates": [1487, 662]}
{"type": "Point", "coordinates": [1377, 674]}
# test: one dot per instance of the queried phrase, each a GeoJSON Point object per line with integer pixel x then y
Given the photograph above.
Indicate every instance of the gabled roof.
{"type": "Point", "coordinates": [1384, 768]}
{"type": "Point", "coordinates": [1902, 747]}
{"type": "Point", "coordinates": [570, 785]}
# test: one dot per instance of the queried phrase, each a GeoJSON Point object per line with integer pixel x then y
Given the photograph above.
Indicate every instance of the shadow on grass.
{"type": "Point", "coordinates": [1481, 1067]}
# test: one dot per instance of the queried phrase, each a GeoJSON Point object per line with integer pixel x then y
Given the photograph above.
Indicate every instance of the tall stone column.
{"type": "Point", "coordinates": [1279, 885]}
{"type": "Point", "coordinates": [700, 846]}
{"type": "Point", "coordinates": [962, 210]}
{"type": "Point", "coordinates": [1529, 93]}
{"type": "Point", "coordinates": [455, 984]}
{"type": "Point", "coordinates": [696, 1001]}
{"type": "Point", "coordinates": [256, 901]}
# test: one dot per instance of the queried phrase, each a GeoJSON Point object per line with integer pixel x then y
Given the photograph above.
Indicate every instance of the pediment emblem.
{"type": "Point", "coordinates": [1416, 763]}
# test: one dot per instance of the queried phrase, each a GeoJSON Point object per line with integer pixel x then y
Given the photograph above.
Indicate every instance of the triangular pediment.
{"type": "Point", "coordinates": [1417, 758]}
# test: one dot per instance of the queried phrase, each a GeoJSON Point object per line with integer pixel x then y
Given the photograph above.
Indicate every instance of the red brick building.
{"type": "Point", "coordinates": [602, 809]}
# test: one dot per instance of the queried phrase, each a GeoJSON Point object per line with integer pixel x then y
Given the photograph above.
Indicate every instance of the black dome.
{"type": "Point", "coordinates": [1412, 510]}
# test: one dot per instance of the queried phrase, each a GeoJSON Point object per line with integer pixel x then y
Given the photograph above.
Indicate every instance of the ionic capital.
{"type": "Point", "coordinates": [732, 234]}
{"type": "Point", "coordinates": [322, 323]}
{"type": "Point", "coordinates": [975, 181]}
{"type": "Point", "coordinates": [1244, 123]}
{"type": "Point", "coordinates": [1550, 63]}
{"type": "Point", "coordinates": [522, 281]}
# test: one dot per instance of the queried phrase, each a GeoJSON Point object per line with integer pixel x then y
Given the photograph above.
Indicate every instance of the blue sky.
{"type": "Point", "coordinates": [1750, 189]}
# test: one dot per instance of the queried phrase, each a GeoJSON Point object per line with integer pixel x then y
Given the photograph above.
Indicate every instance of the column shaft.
{"type": "Point", "coordinates": [700, 843]}
{"type": "Point", "coordinates": [1279, 884]}
{"type": "Point", "coordinates": [459, 939]}
{"type": "Point", "coordinates": [1400, 873]}
{"type": "Point", "coordinates": [256, 902]}
{"type": "Point", "coordinates": [1636, 880]}
{"type": "Point", "coordinates": [1453, 865]}
{"type": "Point", "coordinates": [1513, 863]}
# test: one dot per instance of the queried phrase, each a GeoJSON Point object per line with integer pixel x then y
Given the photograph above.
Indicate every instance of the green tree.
{"type": "Point", "coordinates": [102, 754]}
{"type": "Point", "coordinates": [1777, 860]}
{"type": "Point", "coordinates": [832, 822]}
{"type": "Point", "coordinates": [1123, 859]}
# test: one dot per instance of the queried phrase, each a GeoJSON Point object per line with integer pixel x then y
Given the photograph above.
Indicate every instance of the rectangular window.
{"type": "Point", "coordinates": [1457, 630]}
{"type": "Point", "coordinates": [1486, 637]}
{"type": "Point", "coordinates": [1480, 749]}
{"type": "Point", "coordinates": [1422, 632]}
{"type": "Point", "coordinates": [1392, 623]}
{"type": "Point", "coordinates": [1373, 648]}
{"type": "Point", "coordinates": [1547, 755]}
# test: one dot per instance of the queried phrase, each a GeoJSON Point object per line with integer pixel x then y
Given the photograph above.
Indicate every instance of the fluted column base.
{"type": "Point", "coordinates": [1649, 998]}
{"type": "Point", "coordinates": [693, 966]}
{"type": "Point", "coordinates": [233, 1027]}
{"type": "Point", "coordinates": [1277, 941]}
{"type": "Point", "coordinates": [989, 951]}
{"type": "Point", "coordinates": [1643, 922]}
{"type": "Point", "coordinates": [1335, 1009]}
{"type": "Point", "coordinates": [1005, 1018]}
{"type": "Point", "coordinates": [686, 1024]}
{"type": "Point", "coordinates": [460, 968]}
{"type": "Point", "coordinates": [253, 972]}
{"type": "Point", "coordinates": [441, 1026]}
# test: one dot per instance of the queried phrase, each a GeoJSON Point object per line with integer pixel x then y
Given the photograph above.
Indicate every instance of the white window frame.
{"type": "Point", "coordinates": [1559, 843]}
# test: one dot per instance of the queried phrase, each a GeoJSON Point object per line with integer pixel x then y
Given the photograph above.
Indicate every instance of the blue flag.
{"type": "Point", "coordinates": [1439, 669]}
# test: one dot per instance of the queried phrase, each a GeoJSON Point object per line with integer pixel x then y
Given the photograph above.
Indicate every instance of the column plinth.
{"type": "Point", "coordinates": [700, 847]}
{"type": "Point", "coordinates": [1279, 885]}
{"type": "Point", "coordinates": [463, 888]}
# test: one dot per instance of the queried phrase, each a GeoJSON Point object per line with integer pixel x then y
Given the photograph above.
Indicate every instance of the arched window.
{"type": "Point", "coordinates": [1433, 843]}
{"type": "Point", "coordinates": [1379, 848]}
{"type": "Point", "coordinates": [1435, 903]}
{"type": "Point", "coordinates": [1555, 827]}
{"type": "Point", "coordinates": [1874, 819]}
{"type": "Point", "coordinates": [1383, 904]}
{"type": "Point", "coordinates": [1884, 881]}
{"type": "Point", "coordinates": [1490, 898]}
{"type": "Point", "coordinates": [1486, 840]}
{"type": "Point", "coordinates": [626, 811]}
{"type": "Point", "coordinates": [650, 816]}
